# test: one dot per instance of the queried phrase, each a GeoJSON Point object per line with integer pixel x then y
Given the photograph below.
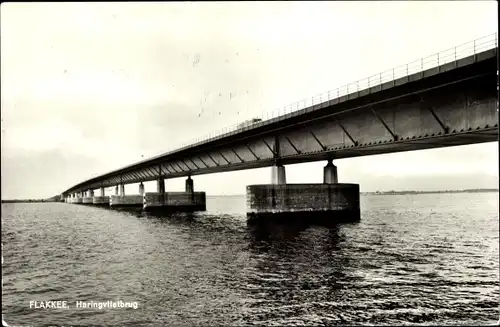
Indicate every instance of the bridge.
{"type": "Point", "coordinates": [446, 99]}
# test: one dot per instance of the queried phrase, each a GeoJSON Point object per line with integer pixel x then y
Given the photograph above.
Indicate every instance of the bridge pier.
{"type": "Point", "coordinates": [175, 201]}
{"type": "Point", "coordinates": [122, 200]}
{"type": "Point", "coordinates": [327, 202]}
{"type": "Point", "coordinates": [101, 200]}
{"type": "Point", "coordinates": [79, 198]}
{"type": "Point", "coordinates": [330, 173]}
{"type": "Point", "coordinates": [89, 197]}
{"type": "Point", "coordinates": [141, 189]}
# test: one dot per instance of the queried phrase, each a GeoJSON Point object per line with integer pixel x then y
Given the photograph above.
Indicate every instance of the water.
{"type": "Point", "coordinates": [413, 259]}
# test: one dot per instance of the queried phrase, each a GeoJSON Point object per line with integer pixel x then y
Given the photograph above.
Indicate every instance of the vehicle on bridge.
{"type": "Point", "coordinates": [249, 122]}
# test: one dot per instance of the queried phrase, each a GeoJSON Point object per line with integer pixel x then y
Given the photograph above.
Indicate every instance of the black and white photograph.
{"type": "Point", "coordinates": [250, 163]}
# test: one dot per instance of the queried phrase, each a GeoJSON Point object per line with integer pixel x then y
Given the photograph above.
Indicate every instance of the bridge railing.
{"type": "Point", "coordinates": [440, 58]}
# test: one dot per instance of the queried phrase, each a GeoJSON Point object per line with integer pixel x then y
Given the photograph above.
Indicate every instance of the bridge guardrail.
{"type": "Point", "coordinates": [437, 59]}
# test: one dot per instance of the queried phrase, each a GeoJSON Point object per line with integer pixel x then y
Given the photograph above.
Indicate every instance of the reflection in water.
{"type": "Point", "coordinates": [422, 259]}
{"type": "Point", "coordinates": [299, 266]}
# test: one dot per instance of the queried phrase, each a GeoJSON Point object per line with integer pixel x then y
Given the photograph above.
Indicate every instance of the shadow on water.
{"type": "Point", "coordinates": [287, 233]}
{"type": "Point", "coordinates": [284, 229]}
{"type": "Point", "coordinates": [291, 234]}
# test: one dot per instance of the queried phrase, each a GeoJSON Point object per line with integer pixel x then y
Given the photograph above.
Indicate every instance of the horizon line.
{"type": "Point", "coordinates": [361, 192]}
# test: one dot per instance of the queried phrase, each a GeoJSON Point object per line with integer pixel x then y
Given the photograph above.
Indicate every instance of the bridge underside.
{"type": "Point", "coordinates": [456, 107]}
{"type": "Point", "coordinates": [419, 143]}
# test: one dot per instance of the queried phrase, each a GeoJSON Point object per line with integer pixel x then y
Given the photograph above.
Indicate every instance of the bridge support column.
{"type": "Point", "coordinates": [79, 197]}
{"type": "Point", "coordinates": [160, 185]}
{"type": "Point", "coordinates": [88, 197]}
{"type": "Point", "coordinates": [175, 201]}
{"type": "Point", "coordinates": [122, 200]}
{"type": "Point", "coordinates": [102, 199]}
{"type": "Point", "coordinates": [141, 189]}
{"type": "Point", "coordinates": [326, 203]}
{"type": "Point", "coordinates": [278, 175]}
{"type": "Point", "coordinates": [330, 173]}
{"type": "Point", "coordinates": [189, 185]}
{"type": "Point", "coordinates": [116, 190]}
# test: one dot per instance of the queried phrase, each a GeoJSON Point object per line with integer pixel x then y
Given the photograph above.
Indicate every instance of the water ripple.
{"type": "Point", "coordinates": [411, 260]}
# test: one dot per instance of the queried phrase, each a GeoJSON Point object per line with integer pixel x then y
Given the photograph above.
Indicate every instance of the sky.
{"type": "Point", "coordinates": [91, 87]}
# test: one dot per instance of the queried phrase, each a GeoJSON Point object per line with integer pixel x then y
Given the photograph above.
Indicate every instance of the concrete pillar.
{"type": "Point", "coordinates": [102, 191]}
{"type": "Point", "coordinates": [278, 175]}
{"type": "Point", "coordinates": [160, 185]}
{"type": "Point", "coordinates": [122, 189]}
{"type": "Point", "coordinates": [330, 173]}
{"type": "Point", "coordinates": [189, 185]}
{"type": "Point", "coordinates": [141, 189]}
{"type": "Point", "coordinates": [90, 193]}
{"type": "Point", "coordinates": [116, 190]}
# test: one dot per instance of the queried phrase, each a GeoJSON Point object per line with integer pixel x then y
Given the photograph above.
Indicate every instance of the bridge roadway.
{"type": "Point", "coordinates": [448, 105]}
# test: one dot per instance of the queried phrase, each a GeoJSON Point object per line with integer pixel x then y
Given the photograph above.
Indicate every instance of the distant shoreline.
{"type": "Point", "coordinates": [431, 192]}
{"type": "Point", "coordinates": [480, 190]}
{"type": "Point", "coordinates": [27, 201]}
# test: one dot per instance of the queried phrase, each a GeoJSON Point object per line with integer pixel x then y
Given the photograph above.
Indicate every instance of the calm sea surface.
{"type": "Point", "coordinates": [413, 259]}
